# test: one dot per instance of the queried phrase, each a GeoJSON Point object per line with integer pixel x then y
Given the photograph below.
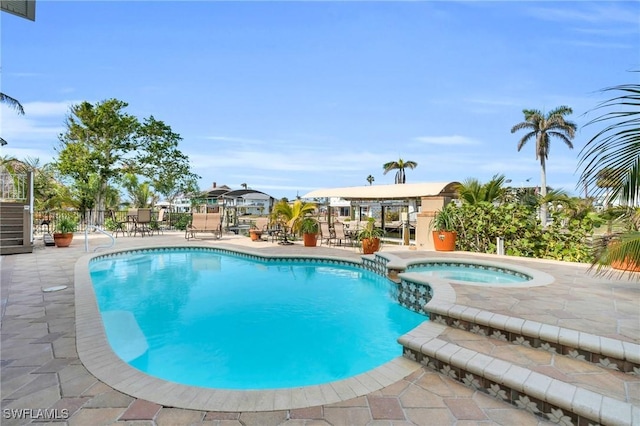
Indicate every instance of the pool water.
{"type": "Point", "coordinates": [214, 319]}
{"type": "Point", "coordinates": [470, 273]}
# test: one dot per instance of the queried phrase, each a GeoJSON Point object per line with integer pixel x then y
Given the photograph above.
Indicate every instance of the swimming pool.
{"type": "Point", "coordinates": [212, 318]}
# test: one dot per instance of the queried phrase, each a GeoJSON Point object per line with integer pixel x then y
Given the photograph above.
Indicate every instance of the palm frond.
{"type": "Point", "coordinates": [615, 147]}
{"type": "Point", "coordinates": [13, 103]}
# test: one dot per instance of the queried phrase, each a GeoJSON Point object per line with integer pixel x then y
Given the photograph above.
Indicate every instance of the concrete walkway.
{"type": "Point", "coordinates": [42, 377]}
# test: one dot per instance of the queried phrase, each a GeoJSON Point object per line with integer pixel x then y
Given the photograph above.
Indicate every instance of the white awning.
{"type": "Point", "coordinates": [386, 192]}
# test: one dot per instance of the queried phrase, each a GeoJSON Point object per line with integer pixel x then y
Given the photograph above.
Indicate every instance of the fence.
{"type": "Point", "coordinates": [46, 221]}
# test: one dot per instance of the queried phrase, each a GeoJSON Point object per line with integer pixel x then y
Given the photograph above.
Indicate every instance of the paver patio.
{"type": "Point", "coordinates": [41, 369]}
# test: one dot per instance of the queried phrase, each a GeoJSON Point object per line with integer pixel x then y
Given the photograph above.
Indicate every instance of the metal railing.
{"type": "Point", "coordinates": [102, 231]}
{"type": "Point", "coordinates": [14, 187]}
{"type": "Point", "coordinates": [46, 221]}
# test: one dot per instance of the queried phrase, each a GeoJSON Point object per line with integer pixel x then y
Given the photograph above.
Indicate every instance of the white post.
{"type": "Point", "coordinates": [500, 246]}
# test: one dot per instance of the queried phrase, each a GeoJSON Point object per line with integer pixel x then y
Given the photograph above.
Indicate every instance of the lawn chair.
{"type": "Point", "coordinates": [204, 222]}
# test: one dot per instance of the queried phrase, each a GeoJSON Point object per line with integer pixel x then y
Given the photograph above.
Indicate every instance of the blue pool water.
{"type": "Point", "coordinates": [214, 319]}
{"type": "Point", "coordinates": [470, 273]}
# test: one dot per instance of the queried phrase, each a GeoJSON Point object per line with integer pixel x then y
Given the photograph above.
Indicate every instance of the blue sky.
{"type": "Point", "coordinates": [294, 96]}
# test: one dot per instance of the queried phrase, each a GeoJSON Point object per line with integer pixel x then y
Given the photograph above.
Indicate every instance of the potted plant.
{"type": "Point", "coordinates": [254, 232]}
{"type": "Point", "coordinates": [369, 236]}
{"type": "Point", "coordinates": [64, 232]}
{"type": "Point", "coordinates": [291, 216]}
{"type": "Point", "coordinates": [444, 229]}
{"type": "Point", "coordinates": [616, 249]}
{"type": "Point", "coordinates": [309, 227]}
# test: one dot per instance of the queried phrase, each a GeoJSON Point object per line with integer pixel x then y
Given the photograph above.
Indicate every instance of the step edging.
{"type": "Point", "coordinates": [532, 391]}
{"type": "Point", "coordinates": [602, 351]}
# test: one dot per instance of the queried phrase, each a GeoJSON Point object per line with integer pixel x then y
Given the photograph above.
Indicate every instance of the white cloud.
{"type": "Point", "coordinates": [235, 140]}
{"type": "Point", "coordinates": [447, 140]}
{"type": "Point", "coordinates": [598, 13]}
{"type": "Point", "coordinates": [22, 153]}
{"type": "Point", "coordinates": [48, 109]}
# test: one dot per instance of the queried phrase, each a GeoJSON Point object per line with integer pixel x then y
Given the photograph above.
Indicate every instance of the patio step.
{"type": "Point", "coordinates": [606, 352]}
{"type": "Point", "coordinates": [12, 223]}
{"type": "Point", "coordinates": [557, 388]}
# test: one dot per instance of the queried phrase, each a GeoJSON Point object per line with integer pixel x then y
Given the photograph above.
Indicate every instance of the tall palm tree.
{"type": "Point", "coordinates": [399, 165]}
{"type": "Point", "coordinates": [616, 149]}
{"type": "Point", "coordinates": [370, 179]}
{"type": "Point", "coordinates": [13, 103]}
{"type": "Point", "coordinates": [542, 127]}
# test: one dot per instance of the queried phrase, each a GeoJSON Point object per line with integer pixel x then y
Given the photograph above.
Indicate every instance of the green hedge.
{"type": "Point", "coordinates": [566, 239]}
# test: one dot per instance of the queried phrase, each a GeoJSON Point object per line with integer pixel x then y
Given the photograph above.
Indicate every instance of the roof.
{"type": "Point", "coordinates": [215, 193]}
{"type": "Point", "coordinates": [386, 192]}
{"type": "Point", "coordinates": [237, 193]}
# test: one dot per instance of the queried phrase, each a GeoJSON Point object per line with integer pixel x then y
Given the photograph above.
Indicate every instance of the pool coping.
{"type": "Point", "coordinates": [99, 359]}
{"type": "Point", "coordinates": [403, 268]}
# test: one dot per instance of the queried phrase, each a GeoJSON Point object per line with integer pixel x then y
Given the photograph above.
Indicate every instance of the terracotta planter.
{"type": "Point", "coordinates": [310, 240]}
{"type": "Point", "coordinates": [255, 234]}
{"type": "Point", "coordinates": [62, 240]}
{"type": "Point", "coordinates": [370, 245]}
{"type": "Point", "coordinates": [444, 240]}
{"type": "Point", "coordinates": [626, 266]}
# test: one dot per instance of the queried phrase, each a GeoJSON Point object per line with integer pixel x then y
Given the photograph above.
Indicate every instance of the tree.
{"type": "Point", "coordinates": [102, 143]}
{"type": "Point", "coordinates": [370, 179]}
{"type": "Point", "coordinates": [46, 192]}
{"type": "Point", "coordinates": [616, 149]}
{"type": "Point", "coordinates": [399, 165]}
{"type": "Point", "coordinates": [472, 191]}
{"type": "Point", "coordinates": [542, 128]}
{"type": "Point", "coordinates": [140, 194]}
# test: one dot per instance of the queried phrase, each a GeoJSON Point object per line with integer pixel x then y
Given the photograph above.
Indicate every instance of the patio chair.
{"type": "Point", "coordinates": [161, 221]}
{"type": "Point", "coordinates": [119, 225]}
{"type": "Point", "coordinates": [142, 222]}
{"type": "Point", "coordinates": [325, 233]}
{"type": "Point", "coordinates": [340, 237]}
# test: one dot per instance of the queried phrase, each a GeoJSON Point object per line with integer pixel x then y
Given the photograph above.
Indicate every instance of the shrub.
{"type": "Point", "coordinates": [564, 239]}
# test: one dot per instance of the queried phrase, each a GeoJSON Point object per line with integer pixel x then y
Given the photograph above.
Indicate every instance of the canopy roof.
{"type": "Point", "coordinates": [237, 193]}
{"type": "Point", "coordinates": [386, 192]}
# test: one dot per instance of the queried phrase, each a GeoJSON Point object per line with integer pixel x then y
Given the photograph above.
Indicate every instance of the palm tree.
{"type": "Point", "coordinates": [13, 103]}
{"type": "Point", "coordinates": [472, 191]}
{"type": "Point", "coordinates": [542, 127]}
{"type": "Point", "coordinates": [291, 215]}
{"type": "Point", "coordinates": [370, 179]}
{"type": "Point", "coordinates": [399, 165]}
{"type": "Point", "coordinates": [616, 149]}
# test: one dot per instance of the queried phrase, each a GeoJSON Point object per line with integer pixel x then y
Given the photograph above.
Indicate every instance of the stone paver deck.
{"type": "Point", "coordinates": [42, 374]}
